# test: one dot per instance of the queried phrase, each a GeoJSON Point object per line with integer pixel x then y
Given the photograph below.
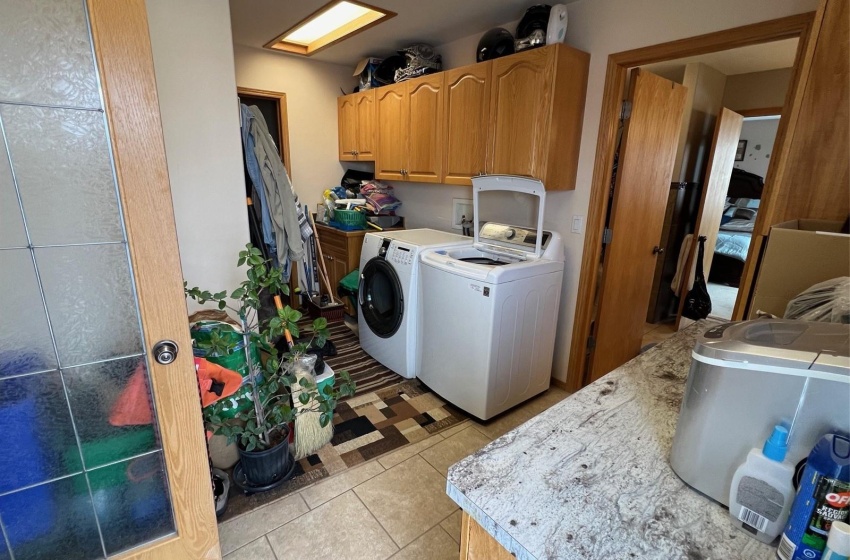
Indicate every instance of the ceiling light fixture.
{"type": "Point", "coordinates": [330, 24]}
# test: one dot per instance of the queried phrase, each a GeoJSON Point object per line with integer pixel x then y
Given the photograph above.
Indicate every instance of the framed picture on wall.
{"type": "Point", "coordinates": [742, 149]}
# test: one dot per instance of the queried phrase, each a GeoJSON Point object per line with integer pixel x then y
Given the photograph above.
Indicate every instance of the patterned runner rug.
{"type": "Point", "coordinates": [366, 426]}
{"type": "Point", "coordinates": [368, 374]}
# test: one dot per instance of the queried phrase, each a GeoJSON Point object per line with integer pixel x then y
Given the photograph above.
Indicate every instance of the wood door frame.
{"type": "Point", "coordinates": [615, 79]}
{"type": "Point", "coordinates": [760, 112]}
{"type": "Point", "coordinates": [282, 120]}
{"type": "Point", "coordinates": [123, 50]}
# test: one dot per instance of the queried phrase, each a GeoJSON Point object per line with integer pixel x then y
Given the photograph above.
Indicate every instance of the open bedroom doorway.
{"type": "Point", "coordinates": [655, 154]}
{"type": "Point", "coordinates": [751, 80]}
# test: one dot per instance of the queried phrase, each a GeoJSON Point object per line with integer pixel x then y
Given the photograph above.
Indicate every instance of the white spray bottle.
{"type": "Point", "coordinates": [762, 491]}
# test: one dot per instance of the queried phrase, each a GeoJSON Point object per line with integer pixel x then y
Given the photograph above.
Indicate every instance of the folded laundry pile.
{"type": "Point", "coordinates": [379, 197]}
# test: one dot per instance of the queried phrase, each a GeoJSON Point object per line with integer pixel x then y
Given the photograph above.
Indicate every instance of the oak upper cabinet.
{"type": "Point", "coordinates": [410, 130]}
{"type": "Point", "coordinates": [357, 117]}
{"type": "Point", "coordinates": [393, 111]}
{"type": "Point", "coordinates": [465, 122]}
{"type": "Point", "coordinates": [425, 144]}
{"type": "Point", "coordinates": [536, 112]}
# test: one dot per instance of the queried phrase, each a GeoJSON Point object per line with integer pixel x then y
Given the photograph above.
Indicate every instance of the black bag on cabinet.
{"type": "Point", "coordinates": [698, 301]}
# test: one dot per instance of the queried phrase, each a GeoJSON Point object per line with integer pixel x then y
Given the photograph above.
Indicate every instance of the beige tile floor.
{"type": "Point", "coordinates": [657, 333]}
{"type": "Point", "coordinates": [391, 507]}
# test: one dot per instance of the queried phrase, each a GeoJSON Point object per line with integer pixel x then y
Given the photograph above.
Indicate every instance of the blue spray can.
{"type": "Point", "coordinates": [823, 498]}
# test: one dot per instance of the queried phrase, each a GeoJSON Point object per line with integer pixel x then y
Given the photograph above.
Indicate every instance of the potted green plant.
{"type": "Point", "coordinates": [261, 431]}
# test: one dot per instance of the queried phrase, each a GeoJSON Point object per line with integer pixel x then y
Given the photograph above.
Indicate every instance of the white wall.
{"type": "Point", "coordinates": [757, 90]}
{"type": "Point", "coordinates": [193, 60]}
{"type": "Point", "coordinates": [600, 27]}
{"type": "Point", "coordinates": [311, 89]}
{"type": "Point", "coordinates": [760, 134]}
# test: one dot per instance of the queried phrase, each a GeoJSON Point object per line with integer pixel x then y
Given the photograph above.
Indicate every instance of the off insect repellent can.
{"type": "Point", "coordinates": [823, 498]}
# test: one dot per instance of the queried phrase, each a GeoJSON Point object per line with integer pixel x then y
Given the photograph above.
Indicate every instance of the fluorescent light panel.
{"type": "Point", "coordinates": [331, 23]}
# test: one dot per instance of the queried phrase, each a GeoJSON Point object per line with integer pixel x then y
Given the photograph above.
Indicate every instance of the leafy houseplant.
{"type": "Point", "coordinates": [265, 425]}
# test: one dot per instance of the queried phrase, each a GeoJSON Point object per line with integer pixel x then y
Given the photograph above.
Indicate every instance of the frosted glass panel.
{"type": "Point", "coordinates": [47, 56]}
{"type": "Point", "coordinates": [36, 434]}
{"type": "Point", "coordinates": [61, 162]}
{"type": "Point", "coordinates": [25, 344]}
{"type": "Point", "coordinates": [90, 301]}
{"type": "Point", "coordinates": [132, 502]}
{"type": "Point", "coordinates": [12, 232]}
{"type": "Point", "coordinates": [112, 409]}
{"type": "Point", "coordinates": [54, 520]}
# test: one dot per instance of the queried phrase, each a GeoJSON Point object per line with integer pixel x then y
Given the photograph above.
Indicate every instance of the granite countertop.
{"type": "Point", "coordinates": [590, 477]}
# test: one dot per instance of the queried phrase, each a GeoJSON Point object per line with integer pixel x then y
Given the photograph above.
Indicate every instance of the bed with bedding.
{"type": "Point", "coordinates": [736, 227]}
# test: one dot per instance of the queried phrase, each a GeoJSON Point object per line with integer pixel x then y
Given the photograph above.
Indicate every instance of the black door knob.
{"type": "Point", "coordinates": [657, 250]}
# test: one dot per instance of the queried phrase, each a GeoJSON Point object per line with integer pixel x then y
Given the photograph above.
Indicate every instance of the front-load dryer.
{"type": "Point", "coordinates": [388, 298]}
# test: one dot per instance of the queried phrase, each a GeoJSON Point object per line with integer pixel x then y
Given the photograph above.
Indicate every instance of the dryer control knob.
{"type": "Point", "coordinates": [509, 234]}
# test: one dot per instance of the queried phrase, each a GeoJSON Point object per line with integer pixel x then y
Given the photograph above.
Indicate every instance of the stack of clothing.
{"type": "Point", "coordinates": [285, 227]}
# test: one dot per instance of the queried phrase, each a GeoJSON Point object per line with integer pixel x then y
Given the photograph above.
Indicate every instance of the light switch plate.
{"type": "Point", "coordinates": [460, 207]}
{"type": "Point", "coordinates": [576, 225]}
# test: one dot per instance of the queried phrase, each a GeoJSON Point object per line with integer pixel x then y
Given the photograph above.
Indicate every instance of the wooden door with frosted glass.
{"type": "Point", "coordinates": [104, 451]}
{"type": "Point", "coordinates": [647, 153]}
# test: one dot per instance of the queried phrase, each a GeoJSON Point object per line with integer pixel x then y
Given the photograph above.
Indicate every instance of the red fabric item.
{"type": "Point", "coordinates": [209, 372]}
{"type": "Point", "coordinates": [133, 406]}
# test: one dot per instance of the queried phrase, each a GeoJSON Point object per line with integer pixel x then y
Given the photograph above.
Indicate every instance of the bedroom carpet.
{"type": "Point", "coordinates": [722, 300]}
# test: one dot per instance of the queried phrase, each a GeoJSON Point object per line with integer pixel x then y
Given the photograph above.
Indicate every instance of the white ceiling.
{"type": "Point", "coordinates": [744, 60]}
{"type": "Point", "coordinates": [256, 22]}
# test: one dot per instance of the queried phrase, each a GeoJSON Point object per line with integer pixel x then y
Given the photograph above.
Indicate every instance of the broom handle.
{"type": "Point", "coordinates": [322, 272]}
{"type": "Point", "coordinates": [287, 334]}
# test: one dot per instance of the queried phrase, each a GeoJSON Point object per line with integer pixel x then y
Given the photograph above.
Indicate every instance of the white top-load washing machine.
{"type": "Point", "coordinates": [489, 310]}
{"type": "Point", "coordinates": [388, 294]}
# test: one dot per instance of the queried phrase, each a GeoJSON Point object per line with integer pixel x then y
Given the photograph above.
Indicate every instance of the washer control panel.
{"type": "Point", "coordinates": [400, 255]}
{"type": "Point", "coordinates": [514, 235]}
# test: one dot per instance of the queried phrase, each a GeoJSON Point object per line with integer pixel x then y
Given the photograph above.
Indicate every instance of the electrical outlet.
{"type": "Point", "coordinates": [576, 225]}
{"type": "Point", "coordinates": [460, 207]}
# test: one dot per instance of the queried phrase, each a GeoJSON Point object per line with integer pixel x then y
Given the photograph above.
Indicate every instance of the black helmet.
{"type": "Point", "coordinates": [495, 43]}
{"type": "Point", "coordinates": [385, 72]}
{"type": "Point", "coordinates": [536, 18]}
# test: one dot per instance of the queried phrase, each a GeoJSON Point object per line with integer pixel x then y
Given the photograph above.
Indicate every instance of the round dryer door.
{"type": "Point", "coordinates": [381, 298]}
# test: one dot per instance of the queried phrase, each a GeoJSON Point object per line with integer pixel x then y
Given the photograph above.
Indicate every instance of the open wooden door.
{"type": "Point", "coordinates": [100, 419]}
{"type": "Point", "coordinates": [647, 154]}
{"type": "Point", "coordinates": [721, 161]}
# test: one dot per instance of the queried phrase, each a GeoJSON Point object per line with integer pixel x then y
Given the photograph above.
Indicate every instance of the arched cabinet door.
{"type": "Point", "coordinates": [466, 119]}
{"type": "Point", "coordinates": [425, 129]}
{"type": "Point", "coordinates": [520, 104]}
{"type": "Point", "coordinates": [393, 110]}
{"type": "Point", "coordinates": [347, 114]}
{"type": "Point", "coordinates": [365, 135]}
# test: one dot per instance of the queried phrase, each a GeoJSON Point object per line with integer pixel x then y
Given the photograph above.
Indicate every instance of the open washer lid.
{"type": "Point", "coordinates": [499, 239]}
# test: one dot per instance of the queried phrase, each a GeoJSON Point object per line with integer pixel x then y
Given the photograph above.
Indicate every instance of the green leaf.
{"type": "Point", "coordinates": [293, 329]}
{"type": "Point", "coordinates": [304, 398]}
{"type": "Point", "coordinates": [324, 419]}
{"type": "Point", "coordinates": [222, 304]}
{"type": "Point", "coordinates": [251, 446]}
{"type": "Point", "coordinates": [320, 324]}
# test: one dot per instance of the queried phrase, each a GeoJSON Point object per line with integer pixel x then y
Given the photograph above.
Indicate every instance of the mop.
{"type": "Point", "coordinates": [310, 436]}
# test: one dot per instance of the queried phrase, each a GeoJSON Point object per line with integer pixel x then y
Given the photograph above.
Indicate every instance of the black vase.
{"type": "Point", "coordinates": [262, 468]}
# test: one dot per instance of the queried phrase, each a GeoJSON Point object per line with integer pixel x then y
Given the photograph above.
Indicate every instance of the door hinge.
{"type": "Point", "coordinates": [626, 110]}
{"type": "Point", "coordinates": [591, 343]}
{"type": "Point", "coordinates": [607, 235]}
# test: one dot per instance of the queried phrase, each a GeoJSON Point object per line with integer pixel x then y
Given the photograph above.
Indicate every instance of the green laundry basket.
{"type": "Point", "coordinates": [348, 287]}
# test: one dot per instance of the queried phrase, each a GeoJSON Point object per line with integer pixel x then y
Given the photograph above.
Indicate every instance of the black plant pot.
{"type": "Point", "coordinates": [265, 467]}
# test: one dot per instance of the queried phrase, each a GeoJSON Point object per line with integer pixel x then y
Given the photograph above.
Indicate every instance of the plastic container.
{"type": "Point", "coordinates": [838, 542]}
{"type": "Point", "coordinates": [349, 219]}
{"type": "Point", "coordinates": [762, 489]}
{"type": "Point", "coordinates": [822, 499]}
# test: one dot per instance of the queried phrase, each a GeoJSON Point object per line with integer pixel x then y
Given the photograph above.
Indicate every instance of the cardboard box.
{"type": "Point", "coordinates": [799, 254]}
